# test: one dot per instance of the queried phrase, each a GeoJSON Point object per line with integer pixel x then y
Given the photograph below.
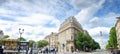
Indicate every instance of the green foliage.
{"type": "Point", "coordinates": [42, 43]}
{"type": "Point", "coordinates": [85, 41]}
{"type": "Point", "coordinates": [0, 42]}
{"type": "Point", "coordinates": [21, 39]}
{"type": "Point", "coordinates": [2, 38]}
{"type": "Point", "coordinates": [31, 42]}
{"type": "Point", "coordinates": [96, 45]}
{"type": "Point", "coordinates": [112, 39]}
{"type": "Point", "coordinates": [5, 36]}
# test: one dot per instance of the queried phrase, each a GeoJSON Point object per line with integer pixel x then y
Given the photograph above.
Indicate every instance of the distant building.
{"type": "Point", "coordinates": [1, 33]}
{"type": "Point", "coordinates": [52, 40]}
{"type": "Point", "coordinates": [118, 31]}
{"type": "Point", "coordinates": [65, 39]}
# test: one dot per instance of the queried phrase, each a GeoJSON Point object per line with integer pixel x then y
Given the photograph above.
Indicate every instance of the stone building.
{"type": "Point", "coordinates": [52, 39]}
{"type": "Point", "coordinates": [64, 40]}
{"type": "Point", "coordinates": [117, 26]}
{"type": "Point", "coordinates": [67, 34]}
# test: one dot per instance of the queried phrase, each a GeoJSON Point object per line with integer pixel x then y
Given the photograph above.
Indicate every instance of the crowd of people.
{"type": "Point", "coordinates": [48, 50]}
{"type": "Point", "coordinates": [31, 51]}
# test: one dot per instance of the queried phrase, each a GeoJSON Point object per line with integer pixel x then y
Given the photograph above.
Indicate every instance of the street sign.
{"type": "Point", "coordinates": [23, 45]}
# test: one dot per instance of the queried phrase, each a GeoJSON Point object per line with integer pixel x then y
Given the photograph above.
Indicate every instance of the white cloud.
{"type": "Point", "coordinates": [31, 16]}
{"type": "Point", "coordinates": [81, 4]}
{"type": "Point", "coordinates": [96, 30]}
{"type": "Point", "coordinates": [39, 6]}
{"type": "Point", "coordinates": [95, 33]}
{"type": "Point", "coordinates": [37, 31]}
{"type": "Point", "coordinates": [108, 21]}
{"type": "Point", "coordinates": [86, 14]}
{"type": "Point", "coordinates": [39, 19]}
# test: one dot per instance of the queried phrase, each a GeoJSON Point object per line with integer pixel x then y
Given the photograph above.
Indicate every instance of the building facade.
{"type": "Point", "coordinates": [67, 34]}
{"type": "Point", "coordinates": [52, 40]}
{"type": "Point", "coordinates": [117, 26]}
{"type": "Point", "coordinates": [65, 39]}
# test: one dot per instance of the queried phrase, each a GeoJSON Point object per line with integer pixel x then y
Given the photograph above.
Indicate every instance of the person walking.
{"type": "Point", "coordinates": [27, 49]}
{"type": "Point", "coordinates": [31, 51]}
{"type": "Point", "coordinates": [1, 50]}
{"type": "Point", "coordinates": [46, 50]}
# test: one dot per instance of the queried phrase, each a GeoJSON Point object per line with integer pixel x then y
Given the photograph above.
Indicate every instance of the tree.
{"type": "Point", "coordinates": [42, 43]}
{"type": "Point", "coordinates": [112, 42]}
{"type": "Point", "coordinates": [21, 39]}
{"type": "Point", "coordinates": [4, 37]}
{"type": "Point", "coordinates": [85, 41]}
{"type": "Point", "coordinates": [31, 42]}
{"type": "Point", "coordinates": [96, 45]}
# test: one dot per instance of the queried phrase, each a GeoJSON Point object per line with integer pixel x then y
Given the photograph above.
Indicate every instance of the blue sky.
{"type": "Point", "coordinates": [41, 17]}
{"type": "Point", "coordinates": [109, 6]}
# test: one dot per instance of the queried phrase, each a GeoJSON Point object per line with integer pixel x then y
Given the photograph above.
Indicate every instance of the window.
{"type": "Point", "coordinates": [72, 38]}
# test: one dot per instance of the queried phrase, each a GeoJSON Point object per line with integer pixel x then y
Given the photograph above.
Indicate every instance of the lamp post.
{"type": "Point", "coordinates": [101, 40]}
{"type": "Point", "coordinates": [20, 32]}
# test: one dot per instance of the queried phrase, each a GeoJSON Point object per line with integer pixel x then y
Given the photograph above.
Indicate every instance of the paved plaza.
{"type": "Point", "coordinates": [101, 52]}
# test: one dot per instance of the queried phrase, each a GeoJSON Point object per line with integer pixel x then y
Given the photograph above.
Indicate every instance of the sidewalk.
{"type": "Point", "coordinates": [74, 53]}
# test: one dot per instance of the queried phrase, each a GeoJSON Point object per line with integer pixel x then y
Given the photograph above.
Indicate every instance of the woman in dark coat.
{"type": "Point", "coordinates": [1, 50]}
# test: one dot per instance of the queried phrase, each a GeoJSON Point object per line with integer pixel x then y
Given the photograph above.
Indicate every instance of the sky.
{"type": "Point", "coordinates": [39, 18]}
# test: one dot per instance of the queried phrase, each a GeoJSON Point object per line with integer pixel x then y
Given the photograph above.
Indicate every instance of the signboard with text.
{"type": "Point", "coordinates": [23, 45]}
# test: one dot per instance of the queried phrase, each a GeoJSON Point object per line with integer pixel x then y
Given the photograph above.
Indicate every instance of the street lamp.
{"type": "Point", "coordinates": [101, 40]}
{"type": "Point", "coordinates": [21, 31]}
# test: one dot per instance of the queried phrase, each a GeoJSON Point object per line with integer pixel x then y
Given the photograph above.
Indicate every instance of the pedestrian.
{"type": "Point", "coordinates": [27, 50]}
{"type": "Point", "coordinates": [111, 49]}
{"type": "Point", "coordinates": [1, 50]}
{"type": "Point", "coordinates": [3, 46]}
{"type": "Point", "coordinates": [46, 50]}
{"type": "Point", "coordinates": [55, 50]}
{"type": "Point", "coordinates": [31, 52]}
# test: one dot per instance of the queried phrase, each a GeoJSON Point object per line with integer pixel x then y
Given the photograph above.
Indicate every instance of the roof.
{"type": "Point", "coordinates": [70, 21]}
{"type": "Point", "coordinates": [10, 40]}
